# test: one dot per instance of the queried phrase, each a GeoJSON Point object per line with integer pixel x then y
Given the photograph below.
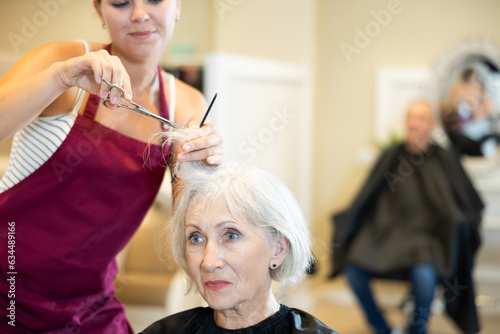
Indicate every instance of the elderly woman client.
{"type": "Point", "coordinates": [235, 229]}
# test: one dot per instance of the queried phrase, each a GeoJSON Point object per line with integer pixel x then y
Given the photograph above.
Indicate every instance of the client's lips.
{"type": "Point", "coordinates": [216, 285]}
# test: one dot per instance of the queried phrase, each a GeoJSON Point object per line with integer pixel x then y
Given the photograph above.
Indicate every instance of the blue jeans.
{"type": "Point", "coordinates": [423, 280]}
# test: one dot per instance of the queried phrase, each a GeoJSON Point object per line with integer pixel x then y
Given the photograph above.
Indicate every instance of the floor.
{"type": "Point", "coordinates": [332, 302]}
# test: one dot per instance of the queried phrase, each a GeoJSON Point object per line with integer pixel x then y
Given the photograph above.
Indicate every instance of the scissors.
{"type": "Point", "coordinates": [135, 107]}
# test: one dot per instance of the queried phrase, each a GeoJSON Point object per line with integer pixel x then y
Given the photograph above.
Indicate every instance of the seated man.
{"type": "Point", "coordinates": [415, 218]}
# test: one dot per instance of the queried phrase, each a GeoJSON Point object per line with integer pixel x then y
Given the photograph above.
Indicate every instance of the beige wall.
{"type": "Point", "coordinates": [276, 29]}
{"type": "Point", "coordinates": [193, 35]}
{"type": "Point", "coordinates": [306, 32]}
{"type": "Point", "coordinates": [37, 22]}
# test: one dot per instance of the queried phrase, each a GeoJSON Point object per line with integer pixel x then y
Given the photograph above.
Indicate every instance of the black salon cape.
{"type": "Point", "coordinates": [464, 237]}
{"type": "Point", "coordinates": [200, 320]}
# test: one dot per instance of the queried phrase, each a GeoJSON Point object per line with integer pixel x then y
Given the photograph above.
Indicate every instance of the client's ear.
{"type": "Point", "coordinates": [280, 251]}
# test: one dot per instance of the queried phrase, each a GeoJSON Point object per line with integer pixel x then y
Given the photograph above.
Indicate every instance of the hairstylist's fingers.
{"type": "Point", "coordinates": [127, 87]}
{"type": "Point", "coordinates": [201, 155]}
{"type": "Point", "coordinates": [97, 70]}
{"type": "Point", "coordinates": [213, 140]}
{"type": "Point", "coordinates": [207, 153]}
{"type": "Point", "coordinates": [215, 159]}
{"type": "Point", "coordinates": [120, 78]}
{"type": "Point", "coordinates": [100, 66]}
{"type": "Point", "coordinates": [208, 129]}
{"type": "Point", "coordinates": [193, 125]}
{"type": "Point", "coordinates": [95, 64]}
{"type": "Point", "coordinates": [115, 91]}
{"type": "Point", "coordinates": [106, 76]}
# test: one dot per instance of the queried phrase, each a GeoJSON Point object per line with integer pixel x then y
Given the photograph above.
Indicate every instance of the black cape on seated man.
{"type": "Point", "coordinates": [427, 210]}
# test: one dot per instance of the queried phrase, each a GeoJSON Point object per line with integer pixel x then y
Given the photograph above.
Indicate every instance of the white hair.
{"type": "Point", "coordinates": [245, 191]}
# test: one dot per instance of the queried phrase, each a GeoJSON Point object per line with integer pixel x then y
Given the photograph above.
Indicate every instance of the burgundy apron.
{"type": "Point", "coordinates": [62, 226]}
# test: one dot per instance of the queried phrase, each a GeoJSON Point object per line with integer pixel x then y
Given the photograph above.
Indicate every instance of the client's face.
{"type": "Point", "coordinates": [228, 259]}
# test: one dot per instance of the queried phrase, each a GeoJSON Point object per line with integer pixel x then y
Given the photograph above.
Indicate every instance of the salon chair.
{"type": "Point", "coordinates": [145, 271]}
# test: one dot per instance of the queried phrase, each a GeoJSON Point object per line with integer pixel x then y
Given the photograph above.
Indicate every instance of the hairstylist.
{"type": "Point", "coordinates": [77, 185]}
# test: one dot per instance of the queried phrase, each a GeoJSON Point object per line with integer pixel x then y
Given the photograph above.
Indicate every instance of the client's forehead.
{"type": "Point", "coordinates": [210, 210]}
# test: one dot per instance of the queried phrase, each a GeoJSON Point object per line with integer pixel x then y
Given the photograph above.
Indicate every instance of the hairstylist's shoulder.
{"type": "Point", "coordinates": [190, 103]}
{"type": "Point", "coordinates": [42, 57]}
{"type": "Point", "coordinates": [96, 46]}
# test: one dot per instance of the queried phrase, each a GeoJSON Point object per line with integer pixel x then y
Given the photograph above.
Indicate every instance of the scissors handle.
{"type": "Point", "coordinates": [136, 107]}
{"type": "Point", "coordinates": [111, 86]}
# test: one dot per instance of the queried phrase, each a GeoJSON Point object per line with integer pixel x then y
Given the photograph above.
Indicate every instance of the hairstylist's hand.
{"type": "Point", "coordinates": [209, 148]}
{"type": "Point", "coordinates": [88, 71]}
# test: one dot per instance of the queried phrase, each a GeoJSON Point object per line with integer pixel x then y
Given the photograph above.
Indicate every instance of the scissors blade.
{"type": "Point", "coordinates": [143, 111]}
{"type": "Point", "coordinates": [146, 112]}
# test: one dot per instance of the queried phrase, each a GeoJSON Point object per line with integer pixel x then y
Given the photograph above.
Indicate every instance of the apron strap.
{"type": "Point", "coordinates": [164, 110]}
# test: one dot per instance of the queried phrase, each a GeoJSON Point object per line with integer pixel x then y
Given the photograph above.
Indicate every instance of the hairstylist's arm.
{"type": "Point", "coordinates": [40, 82]}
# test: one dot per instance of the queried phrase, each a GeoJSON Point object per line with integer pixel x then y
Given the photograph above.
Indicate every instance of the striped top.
{"type": "Point", "coordinates": [33, 145]}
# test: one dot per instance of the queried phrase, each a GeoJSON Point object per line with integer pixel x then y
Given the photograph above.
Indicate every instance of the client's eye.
{"type": "Point", "coordinates": [195, 239]}
{"type": "Point", "coordinates": [232, 236]}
